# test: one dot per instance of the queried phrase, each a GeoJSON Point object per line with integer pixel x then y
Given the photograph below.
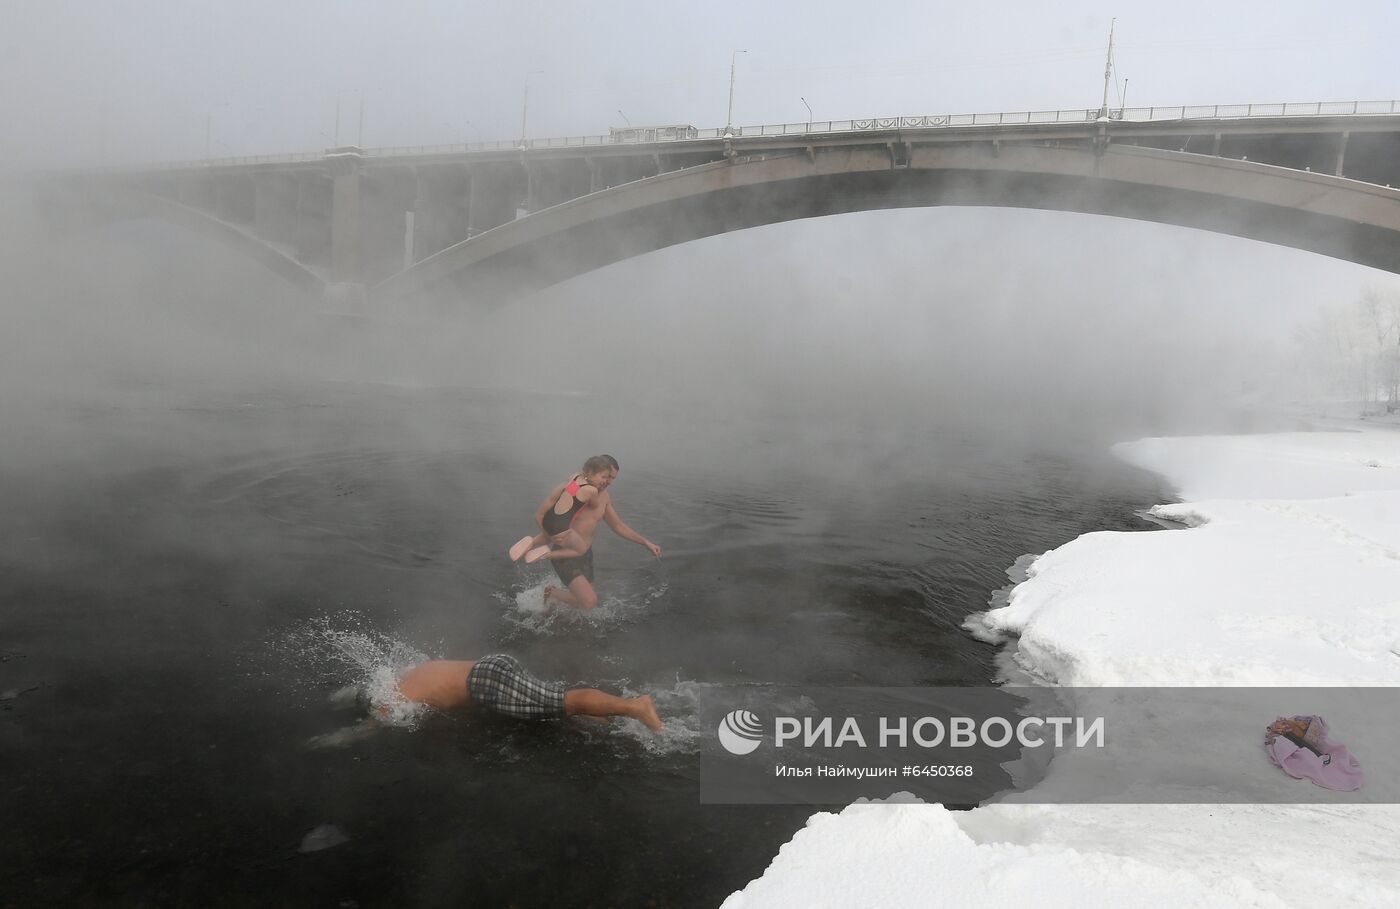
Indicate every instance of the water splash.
{"type": "Point", "coordinates": [527, 612]}
{"type": "Point", "coordinates": [363, 662]}
{"type": "Point", "coordinates": [679, 709]}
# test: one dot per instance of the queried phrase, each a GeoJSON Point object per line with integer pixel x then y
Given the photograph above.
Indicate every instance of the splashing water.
{"type": "Point", "coordinates": [678, 706]}
{"type": "Point", "coordinates": [364, 662]}
{"type": "Point", "coordinates": [528, 612]}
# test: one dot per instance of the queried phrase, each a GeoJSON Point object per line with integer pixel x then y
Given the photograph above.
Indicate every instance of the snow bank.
{"type": "Point", "coordinates": [919, 855]}
{"type": "Point", "coordinates": [1287, 573]}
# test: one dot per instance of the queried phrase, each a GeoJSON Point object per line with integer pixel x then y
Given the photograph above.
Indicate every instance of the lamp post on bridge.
{"type": "Point", "coordinates": [729, 118]}
{"type": "Point", "coordinates": [360, 130]}
{"type": "Point", "coordinates": [1107, 71]}
{"type": "Point", "coordinates": [809, 113]}
{"type": "Point", "coordinates": [525, 104]}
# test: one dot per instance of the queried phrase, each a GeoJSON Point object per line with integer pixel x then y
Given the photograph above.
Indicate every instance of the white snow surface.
{"type": "Point", "coordinates": [1285, 573]}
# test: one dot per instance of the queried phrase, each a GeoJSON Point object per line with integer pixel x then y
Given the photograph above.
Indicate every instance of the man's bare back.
{"type": "Point", "coordinates": [438, 683]}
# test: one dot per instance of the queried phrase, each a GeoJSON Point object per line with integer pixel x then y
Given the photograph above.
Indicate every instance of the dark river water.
{"type": "Point", "coordinates": [187, 576]}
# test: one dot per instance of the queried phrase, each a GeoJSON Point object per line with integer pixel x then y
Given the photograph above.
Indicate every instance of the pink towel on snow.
{"type": "Point", "coordinates": [1333, 768]}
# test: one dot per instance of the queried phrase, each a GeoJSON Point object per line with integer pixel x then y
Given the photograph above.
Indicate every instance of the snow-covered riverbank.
{"type": "Point", "coordinates": [1287, 574]}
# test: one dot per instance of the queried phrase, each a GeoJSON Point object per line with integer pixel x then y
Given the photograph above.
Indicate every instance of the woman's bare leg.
{"type": "Point", "coordinates": [566, 545]}
{"type": "Point", "coordinates": [544, 552]}
{"type": "Point", "coordinates": [525, 544]}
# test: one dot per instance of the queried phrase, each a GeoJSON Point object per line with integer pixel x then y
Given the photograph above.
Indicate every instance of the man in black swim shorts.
{"type": "Point", "coordinates": [576, 573]}
{"type": "Point", "coordinates": [576, 567]}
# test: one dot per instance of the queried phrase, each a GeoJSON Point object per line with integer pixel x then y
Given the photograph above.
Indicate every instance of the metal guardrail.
{"type": "Point", "coordinates": [819, 127]}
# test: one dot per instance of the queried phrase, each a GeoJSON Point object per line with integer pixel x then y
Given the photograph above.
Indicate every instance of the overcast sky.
{"type": "Point", "coordinates": [166, 79]}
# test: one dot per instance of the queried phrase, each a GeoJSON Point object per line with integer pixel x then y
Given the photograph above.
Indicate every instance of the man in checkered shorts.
{"type": "Point", "coordinates": [499, 684]}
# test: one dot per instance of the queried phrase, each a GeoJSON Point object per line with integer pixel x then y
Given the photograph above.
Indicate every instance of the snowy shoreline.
{"type": "Point", "coordinates": [1286, 572]}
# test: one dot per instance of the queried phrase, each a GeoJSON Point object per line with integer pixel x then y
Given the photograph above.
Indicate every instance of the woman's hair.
{"type": "Point", "coordinates": [600, 463]}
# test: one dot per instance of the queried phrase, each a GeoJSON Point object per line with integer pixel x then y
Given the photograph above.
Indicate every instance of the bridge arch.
{"type": "Point", "coordinates": [109, 205]}
{"type": "Point", "coordinates": [1333, 216]}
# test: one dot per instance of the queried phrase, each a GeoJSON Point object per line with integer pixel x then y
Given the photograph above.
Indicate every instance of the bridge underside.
{"type": "Point", "coordinates": [88, 207]}
{"type": "Point", "coordinates": [1322, 214]}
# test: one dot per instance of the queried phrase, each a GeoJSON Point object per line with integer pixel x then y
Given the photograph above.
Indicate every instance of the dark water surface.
{"type": "Point", "coordinates": [186, 576]}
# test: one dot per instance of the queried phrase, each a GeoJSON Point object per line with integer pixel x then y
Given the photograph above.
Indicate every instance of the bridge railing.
{"type": "Point", "coordinates": [288, 158]}
{"type": "Point", "coordinates": [1073, 115]}
{"type": "Point", "coordinates": [819, 127]}
{"type": "Point", "coordinates": [501, 145]}
{"type": "Point", "coordinates": [1013, 118]}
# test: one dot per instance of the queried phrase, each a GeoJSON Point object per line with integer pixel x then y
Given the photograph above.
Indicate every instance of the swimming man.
{"type": "Point", "coordinates": [499, 684]}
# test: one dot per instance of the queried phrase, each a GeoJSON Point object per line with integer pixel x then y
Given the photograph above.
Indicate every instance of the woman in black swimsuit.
{"type": "Point", "coordinates": [557, 540]}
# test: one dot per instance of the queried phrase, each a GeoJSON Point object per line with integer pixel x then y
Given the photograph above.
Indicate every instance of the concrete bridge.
{"type": "Point", "coordinates": [498, 219]}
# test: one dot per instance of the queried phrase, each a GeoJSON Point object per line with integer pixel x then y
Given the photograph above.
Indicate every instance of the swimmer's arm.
{"type": "Point", "coordinates": [627, 533]}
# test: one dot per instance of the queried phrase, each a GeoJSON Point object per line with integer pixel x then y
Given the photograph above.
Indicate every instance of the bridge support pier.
{"type": "Point", "coordinates": [344, 166]}
{"type": "Point", "coordinates": [275, 197]}
{"type": "Point", "coordinates": [311, 233]}
{"type": "Point", "coordinates": [528, 205]}
{"type": "Point", "coordinates": [197, 191]}
{"type": "Point", "coordinates": [440, 211]}
{"type": "Point", "coordinates": [473, 203]}
{"type": "Point", "coordinates": [492, 197]}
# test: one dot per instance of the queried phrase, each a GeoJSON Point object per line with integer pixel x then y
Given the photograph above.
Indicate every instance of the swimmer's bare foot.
{"type": "Point", "coordinates": [551, 594]}
{"type": "Point", "coordinates": [518, 550]}
{"type": "Point", "coordinates": [646, 712]}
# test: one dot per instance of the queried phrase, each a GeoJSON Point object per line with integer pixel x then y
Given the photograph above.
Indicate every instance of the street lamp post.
{"type": "Point", "coordinates": [624, 118]}
{"type": "Point", "coordinates": [729, 118]}
{"type": "Point", "coordinates": [525, 103]}
{"type": "Point", "coordinates": [1107, 70]}
{"type": "Point", "coordinates": [360, 131]}
{"type": "Point", "coordinates": [809, 113]}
